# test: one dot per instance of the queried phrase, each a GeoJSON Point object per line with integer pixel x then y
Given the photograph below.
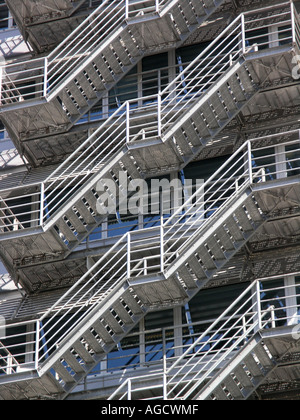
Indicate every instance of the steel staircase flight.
{"type": "Point", "coordinates": [172, 127]}
{"type": "Point", "coordinates": [65, 85]}
{"type": "Point", "coordinates": [241, 353]}
{"type": "Point", "coordinates": [228, 361]}
{"type": "Point", "coordinates": [188, 250]}
{"type": "Point", "coordinates": [108, 301]}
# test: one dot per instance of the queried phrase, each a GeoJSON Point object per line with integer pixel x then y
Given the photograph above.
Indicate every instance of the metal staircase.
{"type": "Point", "coordinates": [66, 84]}
{"type": "Point", "coordinates": [108, 301]}
{"type": "Point", "coordinates": [242, 354]}
{"type": "Point", "coordinates": [172, 127]}
{"type": "Point", "coordinates": [232, 358]}
{"type": "Point", "coordinates": [44, 26]}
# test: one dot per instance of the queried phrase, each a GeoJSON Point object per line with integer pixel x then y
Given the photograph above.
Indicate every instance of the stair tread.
{"type": "Point", "coordinates": [72, 361]}
{"type": "Point", "coordinates": [83, 352]}
{"type": "Point", "coordinates": [63, 373]}
{"type": "Point", "coordinates": [66, 231]}
{"type": "Point", "coordinates": [233, 388]}
{"type": "Point", "coordinates": [76, 222]}
{"type": "Point", "coordinates": [263, 357]}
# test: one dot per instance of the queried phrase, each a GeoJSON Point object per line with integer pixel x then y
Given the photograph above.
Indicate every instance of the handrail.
{"type": "Point", "coordinates": [230, 332]}
{"type": "Point", "coordinates": [50, 74]}
{"type": "Point", "coordinates": [115, 270]}
{"type": "Point", "coordinates": [165, 109]}
{"type": "Point", "coordinates": [116, 259]}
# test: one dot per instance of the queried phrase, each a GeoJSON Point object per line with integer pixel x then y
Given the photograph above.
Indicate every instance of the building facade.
{"type": "Point", "coordinates": [149, 200]}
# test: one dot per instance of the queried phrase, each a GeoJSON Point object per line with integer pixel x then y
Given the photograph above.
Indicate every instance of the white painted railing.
{"type": "Point", "coordinates": [259, 164]}
{"type": "Point", "coordinates": [261, 306]}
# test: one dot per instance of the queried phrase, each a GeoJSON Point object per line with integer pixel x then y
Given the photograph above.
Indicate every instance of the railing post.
{"type": "Point", "coordinates": [42, 204]}
{"type": "Point", "coordinates": [159, 114]}
{"type": "Point", "coordinates": [250, 162]}
{"type": "Point", "coordinates": [127, 122]}
{"type": "Point", "coordinates": [37, 344]}
{"type": "Point", "coordinates": [243, 34]}
{"type": "Point", "coordinates": [293, 22]}
{"type": "Point", "coordinates": [157, 6]}
{"type": "Point", "coordinates": [128, 255]}
{"type": "Point", "coordinates": [258, 301]}
{"type": "Point", "coordinates": [126, 9]}
{"type": "Point", "coordinates": [162, 249]}
{"type": "Point", "coordinates": [129, 392]}
{"type": "Point", "coordinates": [165, 390]}
{"type": "Point", "coordinates": [45, 77]}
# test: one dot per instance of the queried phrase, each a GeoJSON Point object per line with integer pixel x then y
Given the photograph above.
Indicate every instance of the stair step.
{"type": "Point", "coordinates": [244, 220]}
{"type": "Point", "coordinates": [263, 357]}
{"type": "Point", "coordinates": [197, 268]}
{"type": "Point", "coordinates": [95, 78]}
{"type": "Point", "coordinates": [198, 7]}
{"type": "Point", "coordinates": [220, 394]}
{"type": "Point", "coordinates": [63, 373]}
{"type": "Point", "coordinates": [253, 367]}
{"type": "Point", "coordinates": [131, 43]}
{"type": "Point", "coordinates": [66, 231]}
{"type": "Point", "coordinates": [86, 85]}
{"type": "Point", "coordinates": [69, 103]}
{"type": "Point", "coordinates": [189, 13]}
{"type": "Point", "coordinates": [253, 210]}
{"type": "Point", "coordinates": [121, 52]}
{"type": "Point", "coordinates": [130, 166]}
{"type": "Point", "coordinates": [132, 304]}
{"type": "Point", "coordinates": [103, 333]}
{"type": "Point", "coordinates": [191, 133]}
{"type": "Point", "coordinates": [215, 248]}
{"type": "Point", "coordinates": [219, 107]}
{"type": "Point", "coordinates": [123, 313]}
{"type": "Point", "coordinates": [114, 63]}
{"type": "Point", "coordinates": [85, 212]}
{"type": "Point", "coordinates": [237, 90]}
{"type": "Point", "coordinates": [72, 361]}
{"type": "Point", "coordinates": [92, 200]}
{"type": "Point", "coordinates": [207, 259]}
{"type": "Point", "coordinates": [223, 236]}
{"type": "Point", "coordinates": [233, 388]}
{"type": "Point", "coordinates": [253, 73]}
{"type": "Point", "coordinates": [187, 277]}
{"type": "Point", "coordinates": [201, 125]}
{"type": "Point", "coordinates": [245, 79]}
{"type": "Point", "coordinates": [234, 229]}
{"type": "Point", "coordinates": [210, 117]}
{"type": "Point", "coordinates": [93, 342]}
{"type": "Point", "coordinates": [183, 143]}
{"type": "Point", "coordinates": [242, 377]}
{"type": "Point", "coordinates": [76, 222]}
{"type": "Point", "coordinates": [228, 98]}
{"type": "Point", "coordinates": [83, 352]}
{"type": "Point", "coordinates": [113, 323]}
{"type": "Point", "coordinates": [103, 69]}
{"type": "Point", "coordinates": [77, 94]}
{"type": "Point", "coordinates": [180, 21]}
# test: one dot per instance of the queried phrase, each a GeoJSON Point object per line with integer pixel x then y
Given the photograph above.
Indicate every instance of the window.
{"type": "Point", "coordinates": [6, 20]}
